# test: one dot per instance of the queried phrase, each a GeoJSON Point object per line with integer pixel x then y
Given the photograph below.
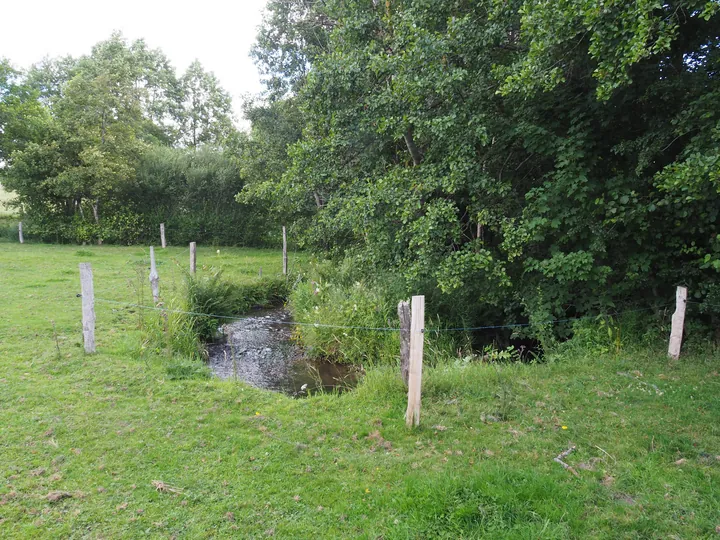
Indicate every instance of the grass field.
{"type": "Point", "coordinates": [107, 446]}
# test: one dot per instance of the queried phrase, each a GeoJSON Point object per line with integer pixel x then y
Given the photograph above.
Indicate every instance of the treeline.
{"type": "Point", "coordinates": [107, 146]}
{"type": "Point", "coordinates": [512, 160]}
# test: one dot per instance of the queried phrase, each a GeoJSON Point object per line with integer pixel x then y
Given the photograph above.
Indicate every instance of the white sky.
{"type": "Point", "coordinates": [218, 33]}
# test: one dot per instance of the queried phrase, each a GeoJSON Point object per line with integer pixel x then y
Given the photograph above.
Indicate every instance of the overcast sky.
{"type": "Point", "coordinates": [218, 33]}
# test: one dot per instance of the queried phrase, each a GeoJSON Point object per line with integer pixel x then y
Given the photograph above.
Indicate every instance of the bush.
{"type": "Point", "coordinates": [367, 311]}
{"type": "Point", "coordinates": [357, 306]}
{"type": "Point", "coordinates": [9, 229]}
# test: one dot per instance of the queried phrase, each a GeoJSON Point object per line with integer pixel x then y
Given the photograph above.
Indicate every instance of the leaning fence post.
{"type": "Point", "coordinates": [154, 278]}
{"type": "Point", "coordinates": [404, 316]}
{"type": "Point", "coordinates": [88, 306]}
{"type": "Point", "coordinates": [20, 234]}
{"type": "Point", "coordinates": [193, 257]}
{"type": "Point", "coordinates": [678, 322]}
{"type": "Point", "coordinates": [285, 265]}
{"type": "Point", "coordinates": [417, 335]}
{"type": "Point", "coordinates": [162, 236]}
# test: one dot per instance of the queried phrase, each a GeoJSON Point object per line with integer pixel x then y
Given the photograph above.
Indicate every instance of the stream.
{"type": "Point", "coordinates": [260, 351]}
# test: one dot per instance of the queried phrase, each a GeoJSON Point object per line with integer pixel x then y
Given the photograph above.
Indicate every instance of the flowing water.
{"type": "Point", "coordinates": [260, 351]}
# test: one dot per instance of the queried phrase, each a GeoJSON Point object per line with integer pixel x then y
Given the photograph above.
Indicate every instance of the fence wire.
{"type": "Point", "coordinates": [379, 329]}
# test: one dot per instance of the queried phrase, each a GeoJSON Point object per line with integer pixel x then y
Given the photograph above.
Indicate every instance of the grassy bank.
{"type": "Point", "coordinates": [128, 452]}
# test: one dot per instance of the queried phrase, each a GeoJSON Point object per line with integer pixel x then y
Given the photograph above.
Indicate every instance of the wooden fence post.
{"type": "Point", "coordinates": [404, 316]}
{"type": "Point", "coordinates": [417, 336]}
{"type": "Point", "coordinates": [88, 306]}
{"type": "Point", "coordinates": [193, 257]}
{"type": "Point", "coordinates": [678, 322]}
{"type": "Point", "coordinates": [162, 236]}
{"type": "Point", "coordinates": [285, 265]}
{"type": "Point", "coordinates": [20, 234]}
{"type": "Point", "coordinates": [154, 278]}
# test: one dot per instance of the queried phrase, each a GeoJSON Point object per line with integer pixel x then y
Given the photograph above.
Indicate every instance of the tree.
{"type": "Point", "coordinates": [511, 159]}
{"type": "Point", "coordinates": [106, 124]}
{"type": "Point", "coordinates": [263, 153]}
{"type": "Point", "coordinates": [89, 154]}
{"type": "Point", "coordinates": [206, 116]}
{"type": "Point", "coordinates": [22, 118]}
{"type": "Point", "coordinates": [293, 35]}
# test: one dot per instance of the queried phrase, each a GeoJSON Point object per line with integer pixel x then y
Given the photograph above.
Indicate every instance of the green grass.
{"type": "Point", "coordinates": [249, 463]}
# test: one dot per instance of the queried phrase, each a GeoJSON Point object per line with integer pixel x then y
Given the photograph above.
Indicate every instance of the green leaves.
{"type": "Point", "coordinates": [75, 132]}
{"type": "Point", "coordinates": [205, 114]}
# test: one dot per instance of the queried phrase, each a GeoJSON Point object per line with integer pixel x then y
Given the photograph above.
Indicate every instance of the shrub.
{"type": "Point", "coordinates": [366, 317]}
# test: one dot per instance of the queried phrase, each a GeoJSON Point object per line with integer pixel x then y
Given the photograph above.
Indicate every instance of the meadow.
{"type": "Point", "coordinates": [109, 445]}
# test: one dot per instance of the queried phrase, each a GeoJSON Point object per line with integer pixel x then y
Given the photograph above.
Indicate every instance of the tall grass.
{"type": "Point", "coordinates": [357, 323]}
{"type": "Point", "coordinates": [181, 331]}
{"type": "Point", "coordinates": [212, 295]}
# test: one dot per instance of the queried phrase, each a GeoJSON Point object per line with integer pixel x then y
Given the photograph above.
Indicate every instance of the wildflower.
{"type": "Point", "coordinates": [367, 490]}
{"type": "Point", "coordinates": [564, 427]}
{"type": "Point", "coordinates": [257, 414]}
{"type": "Point", "coordinates": [218, 252]}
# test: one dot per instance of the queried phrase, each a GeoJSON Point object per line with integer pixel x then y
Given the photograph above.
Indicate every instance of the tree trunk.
{"type": "Point", "coordinates": [414, 152]}
{"type": "Point", "coordinates": [97, 217]}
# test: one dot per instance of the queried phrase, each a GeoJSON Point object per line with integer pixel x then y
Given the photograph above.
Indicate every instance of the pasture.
{"type": "Point", "coordinates": [108, 445]}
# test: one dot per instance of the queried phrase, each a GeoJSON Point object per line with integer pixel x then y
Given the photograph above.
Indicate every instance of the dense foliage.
{"type": "Point", "coordinates": [107, 146]}
{"type": "Point", "coordinates": [505, 158]}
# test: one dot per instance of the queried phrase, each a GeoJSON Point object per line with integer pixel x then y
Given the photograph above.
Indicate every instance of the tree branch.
{"type": "Point", "coordinates": [414, 151]}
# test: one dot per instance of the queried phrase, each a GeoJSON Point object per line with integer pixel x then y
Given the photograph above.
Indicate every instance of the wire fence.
{"type": "Point", "coordinates": [230, 318]}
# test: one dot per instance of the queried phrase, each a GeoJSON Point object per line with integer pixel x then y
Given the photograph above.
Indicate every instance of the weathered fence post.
{"type": "Point", "coordinates": [154, 278]}
{"type": "Point", "coordinates": [260, 273]}
{"type": "Point", "coordinates": [417, 336]}
{"type": "Point", "coordinates": [162, 236]}
{"type": "Point", "coordinates": [404, 316]}
{"type": "Point", "coordinates": [678, 322]}
{"type": "Point", "coordinates": [193, 257]}
{"type": "Point", "coordinates": [20, 234]}
{"type": "Point", "coordinates": [88, 306]}
{"type": "Point", "coordinates": [285, 265]}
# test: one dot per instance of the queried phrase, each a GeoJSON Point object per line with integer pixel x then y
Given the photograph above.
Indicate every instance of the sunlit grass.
{"type": "Point", "coordinates": [235, 461]}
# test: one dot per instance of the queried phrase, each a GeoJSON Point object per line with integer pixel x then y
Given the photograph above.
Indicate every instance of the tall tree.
{"type": "Point", "coordinates": [100, 122]}
{"type": "Point", "coordinates": [22, 118]}
{"type": "Point", "coordinates": [106, 119]}
{"type": "Point", "coordinates": [516, 157]}
{"type": "Point", "coordinates": [294, 33]}
{"type": "Point", "coordinates": [206, 116]}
